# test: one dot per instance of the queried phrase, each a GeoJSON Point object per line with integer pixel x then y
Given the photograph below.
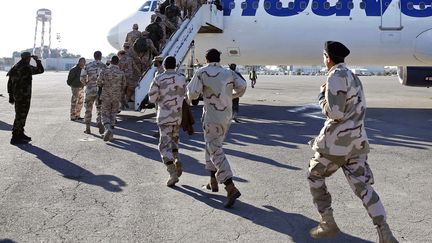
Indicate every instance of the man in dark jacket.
{"type": "Point", "coordinates": [155, 32]}
{"type": "Point", "coordinates": [74, 80]}
{"type": "Point", "coordinates": [19, 89]}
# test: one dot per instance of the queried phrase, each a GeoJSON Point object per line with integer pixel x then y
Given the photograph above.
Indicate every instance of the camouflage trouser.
{"type": "Point", "coordinates": [130, 88]}
{"type": "Point", "coordinates": [76, 102]}
{"type": "Point", "coordinates": [214, 135]}
{"type": "Point", "coordinates": [90, 99]}
{"type": "Point", "coordinates": [109, 109]}
{"type": "Point", "coordinates": [168, 142]}
{"type": "Point", "coordinates": [359, 176]}
{"type": "Point", "coordinates": [22, 107]}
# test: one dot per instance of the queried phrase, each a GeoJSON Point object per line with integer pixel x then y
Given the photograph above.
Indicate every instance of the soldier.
{"type": "Point", "coordinates": [131, 65]}
{"type": "Point", "coordinates": [155, 32]}
{"type": "Point", "coordinates": [173, 13]}
{"type": "Point", "coordinates": [151, 51]}
{"type": "Point", "coordinates": [253, 77]}
{"type": "Point", "coordinates": [235, 101]}
{"type": "Point", "coordinates": [133, 35]}
{"type": "Point", "coordinates": [90, 75]}
{"type": "Point", "coordinates": [343, 142]}
{"type": "Point", "coordinates": [19, 89]}
{"type": "Point", "coordinates": [111, 82]}
{"type": "Point", "coordinates": [167, 91]}
{"type": "Point", "coordinates": [217, 85]}
{"type": "Point", "coordinates": [188, 6]}
{"type": "Point", "coordinates": [74, 80]}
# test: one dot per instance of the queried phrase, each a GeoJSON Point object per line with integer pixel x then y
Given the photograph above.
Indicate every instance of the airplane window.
{"type": "Point", "coordinates": [362, 5]}
{"type": "Point", "coordinates": [410, 5]}
{"type": "Point", "coordinates": [154, 5]}
{"type": "Point", "coordinates": [267, 5]}
{"type": "Point", "coordinates": [303, 5]}
{"type": "Point", "coordinates": [243, 5]}
{"type": "Point", "coordinates": [314, 5]}
{"type": "Point", "coordinates": [232, 5]}
{"type": "Point", "coordinates": [291, 5]}
{"type": "Point", "coordinates": [145, 7]}
{"type": "Point", "coordinates": [338, 5]}
{"type": "Point", "coordinates": [326, 5]}
{"type": "Point", "coordinates": [422, 5]}
{"type": "Point", "coordinates": [278, 5]}
{"type": "Point", "coordinates": [350, 5]}
{"type": "Point", "coordinates": [255, 5]}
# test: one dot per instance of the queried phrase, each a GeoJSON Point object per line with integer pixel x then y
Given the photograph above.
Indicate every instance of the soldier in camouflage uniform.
{"type": "Point", "coordinates": [149, 54]}
{"type": "Point", "coordinates": [90, 75]}
{"type": "Point", "coordinates": [173, 13]}
{"type": "Point", "coordinates": [19, 89]}
{"type": "Point", "coordinates": [155, 33]}
{"type": "Point", "coordinates": [217, 85]}
{"type": "Point", "coordinates": [77, 87]}
{"type": "Point", "coordinates": [133, 35]}
{"type": "Point", "coordinates": [111, 80]}
{"type": "Point", "coordinates": [168, 91]}
{"type": "Point", "coordinates": [343, 143]}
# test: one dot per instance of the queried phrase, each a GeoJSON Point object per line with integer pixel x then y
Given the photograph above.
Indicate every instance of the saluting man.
{"type": "Point", "coordinates": [343, 143]}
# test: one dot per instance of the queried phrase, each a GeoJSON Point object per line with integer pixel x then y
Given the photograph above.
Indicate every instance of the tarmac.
{"type": "Point", "coordinates": [67, 186]}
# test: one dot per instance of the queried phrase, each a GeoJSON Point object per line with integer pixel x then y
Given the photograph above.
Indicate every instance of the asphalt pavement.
{"type": "Point", "coordinates": [67, 186]}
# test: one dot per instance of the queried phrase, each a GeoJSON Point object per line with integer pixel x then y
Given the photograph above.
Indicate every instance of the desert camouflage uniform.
{"type": "Point", "coordinates": [343, 142]}
{"type": "Point", "coordinates": [112, 80]}
{"type": "Point", "coordinates": [91, 73]}
{"type": "Point", "coordinates": [132, 36]}
{"type": "Point", "coordinates": [131, 70]}
{"type": "Point", "coordinates": [168, 91]}
{"type": "Point", "coordinates": [216, 84]}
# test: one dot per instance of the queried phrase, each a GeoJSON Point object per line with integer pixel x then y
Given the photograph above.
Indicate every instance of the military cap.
{"type": "Point", "coordinates": [135, 26]}
{"type": "Point", "coordinates": [25, 54]}
{"type": "Point", "coordinates": [336, 49]}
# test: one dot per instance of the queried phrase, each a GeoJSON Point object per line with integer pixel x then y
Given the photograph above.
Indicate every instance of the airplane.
{"type": "Point", "coordinates": [274, 32]}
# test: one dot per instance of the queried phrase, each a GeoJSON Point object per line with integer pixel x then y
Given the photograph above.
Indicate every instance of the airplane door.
{"type": "Point", "coordinates": [391, 15]}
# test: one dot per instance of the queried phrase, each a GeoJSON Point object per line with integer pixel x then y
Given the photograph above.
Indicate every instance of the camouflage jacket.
{"type": "Point", "coordinates": [128, 66]}
{"type": "Point", "coordinates": [168, 91]}
{"type": "Point", "coordinates": [217, 85]}
{"type": "Point", "coordinates": [112, 80]}
{"type": "Point", "coordinates": [20, 78]}
{"type": "Point", "coordinates": [132, 36]}
{"type": "Point", "coordinates": [344, 105]}
{"type": "Point", "coordinates": [90, 75]}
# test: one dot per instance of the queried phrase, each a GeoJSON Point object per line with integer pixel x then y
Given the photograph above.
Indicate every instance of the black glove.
{"type": "Point", "coordinates": [321, 96]}
{"type": "Point", "coordinates": [11, 99]}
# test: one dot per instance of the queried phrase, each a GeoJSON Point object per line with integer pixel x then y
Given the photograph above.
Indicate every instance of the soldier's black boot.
{"type": "Point", "coordinates": [232, 193]}
{"type": "Point", "coordinates": [16, 139]}
{"type": "Point", "coordinates": [25, 137]}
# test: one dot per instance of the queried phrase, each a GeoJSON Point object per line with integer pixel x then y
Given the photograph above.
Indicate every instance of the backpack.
{"type": "Point", "coordinates": [140, 46]}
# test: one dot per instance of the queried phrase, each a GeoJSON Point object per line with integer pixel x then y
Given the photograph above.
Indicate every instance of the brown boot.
{"type": "Point", "coordinates": [108, 135]}
{"type": "Point", "coordinates": [173, 175]}
{"type": "Point", "coordinates": [87, 129]}
{"type": "Point", "coordinates": [233, 194]}
{"type": "Point", "coordinates": [179, 167]}
{"type": "Point", "coordinates": [385, 235]}
{"type": "Point", "coordinates": [213, 185]}
{"type": "Point", "coordinates": [327, 227]}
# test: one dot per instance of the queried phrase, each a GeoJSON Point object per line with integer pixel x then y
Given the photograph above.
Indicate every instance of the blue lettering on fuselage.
{"type": "Point", "coordinates": [411, 8]}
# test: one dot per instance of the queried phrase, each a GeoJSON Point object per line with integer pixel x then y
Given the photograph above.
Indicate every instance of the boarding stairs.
{"type": "Point", "coordinates": [207, 19]}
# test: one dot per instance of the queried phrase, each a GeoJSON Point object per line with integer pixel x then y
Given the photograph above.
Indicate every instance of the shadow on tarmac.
{"type": "Point", "coordinates": [72, 171]}
{"type": "Point", "coordinates": [6, 241]}
{"type": "Point", "coordinates": [5, 126]}
{"type": "Point", "coordinates": [295, 225]}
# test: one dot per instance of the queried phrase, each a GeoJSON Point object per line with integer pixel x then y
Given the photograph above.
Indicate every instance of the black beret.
{"type": "Point", "coordinates": [25, 54]}
{"type": "Point", "coordinates": [336, 49]}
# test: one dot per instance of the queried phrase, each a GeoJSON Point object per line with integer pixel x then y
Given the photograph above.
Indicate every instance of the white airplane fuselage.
{"type": "Point", "coordinates": [376, 35]}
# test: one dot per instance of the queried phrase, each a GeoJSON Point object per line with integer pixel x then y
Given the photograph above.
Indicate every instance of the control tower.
{"type": "Point", "coordinates": [43, 15]}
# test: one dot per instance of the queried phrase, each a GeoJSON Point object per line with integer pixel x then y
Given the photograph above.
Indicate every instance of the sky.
{"type": "Point", "coordinates": [82, 24]}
